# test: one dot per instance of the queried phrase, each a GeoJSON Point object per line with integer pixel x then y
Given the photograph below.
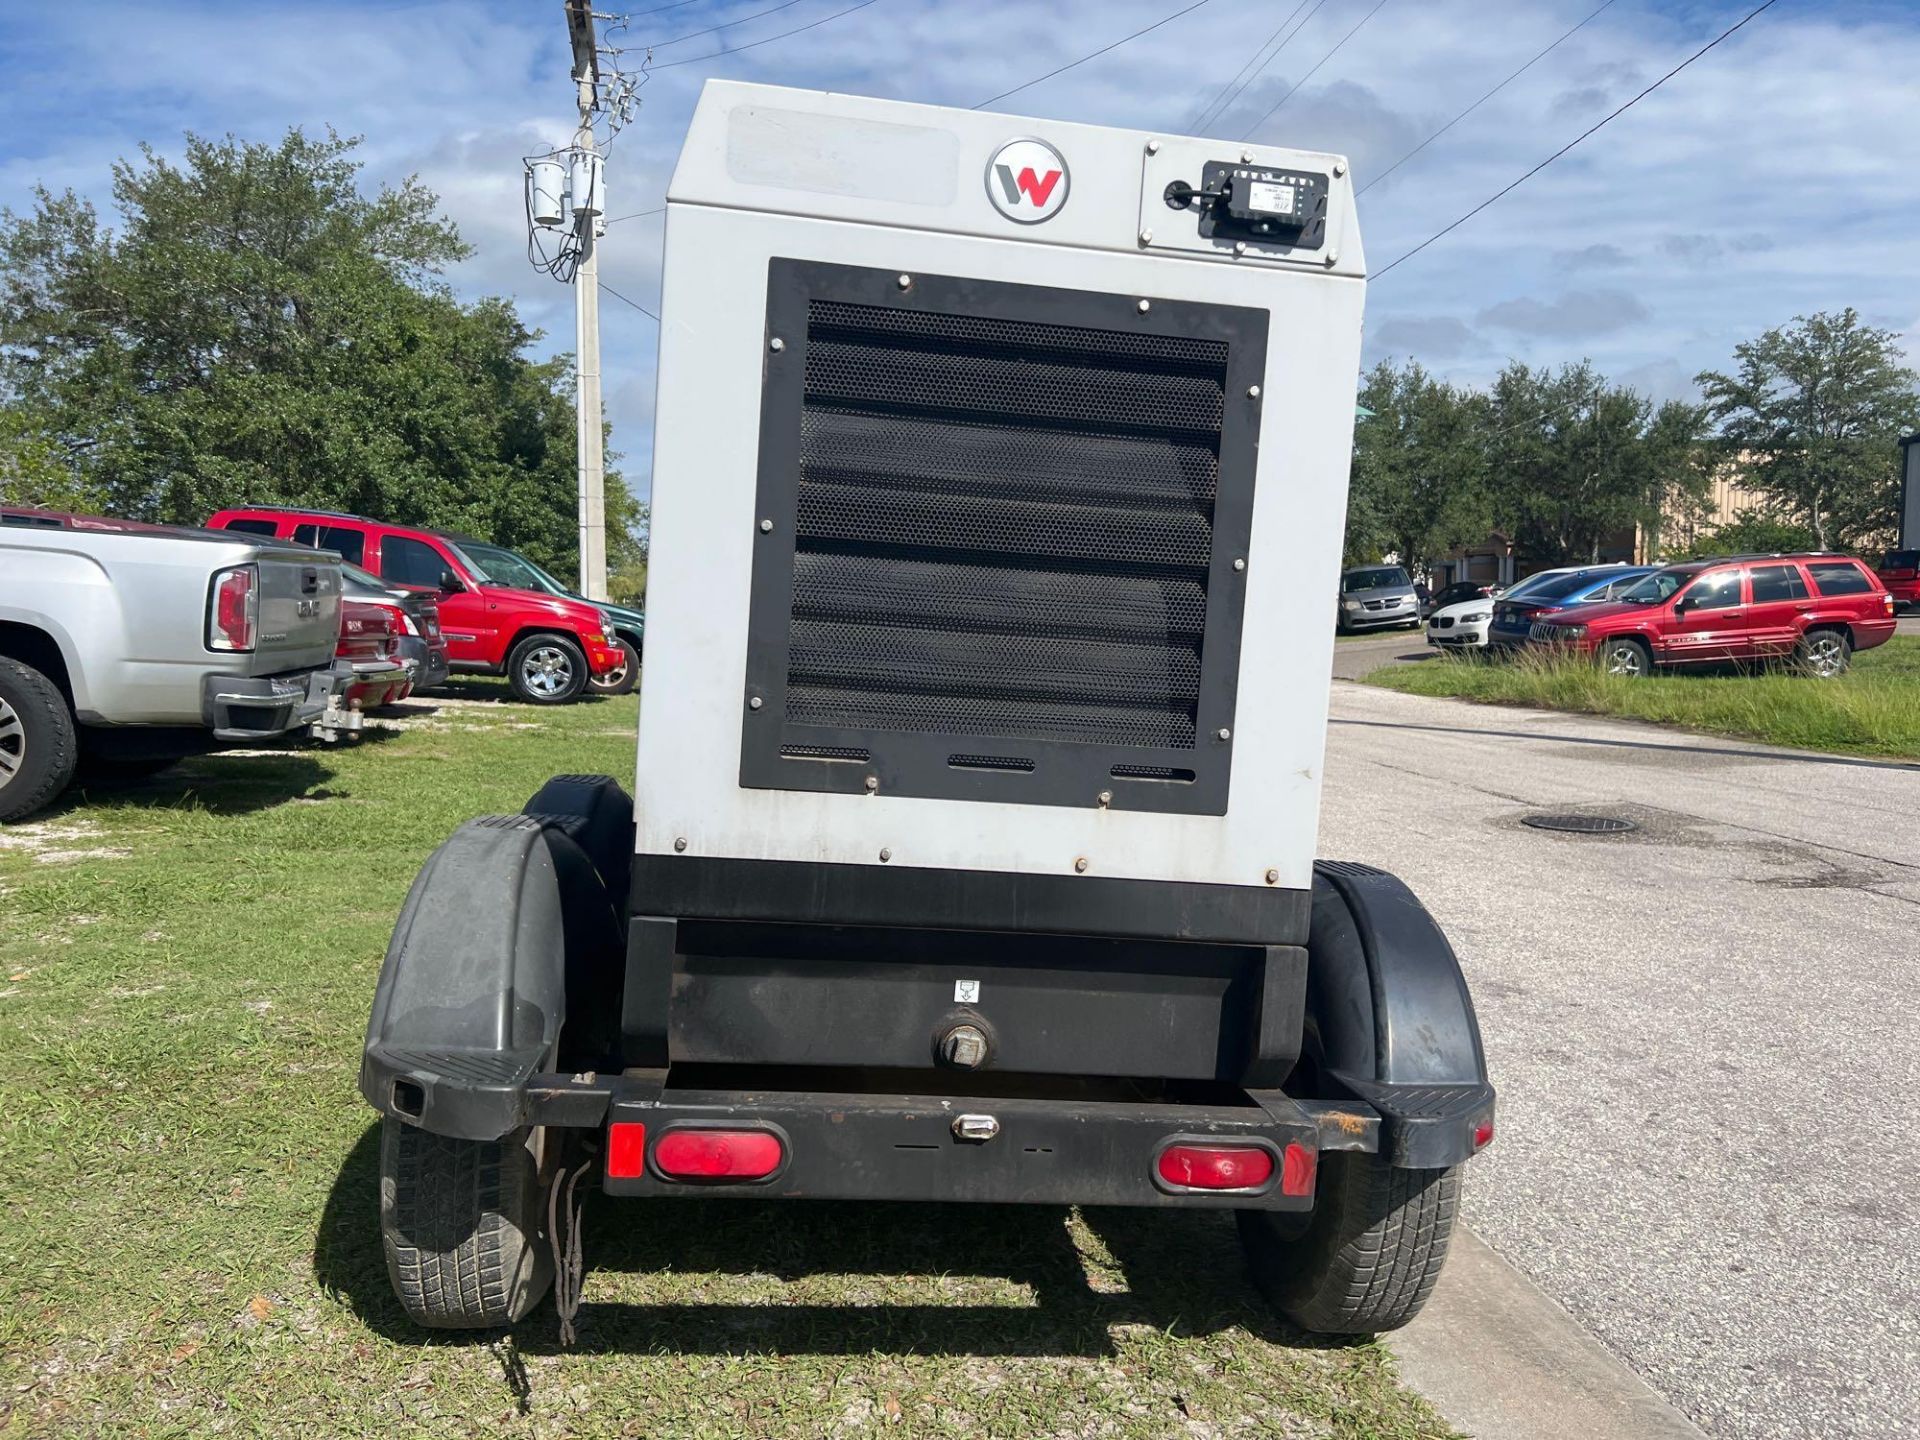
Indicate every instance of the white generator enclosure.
{"type": "Point", "coordinates": [999, 479]}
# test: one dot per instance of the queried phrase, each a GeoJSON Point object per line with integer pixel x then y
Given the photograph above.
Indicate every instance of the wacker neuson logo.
{"type": "Point", "coordinates": [1027, 181]}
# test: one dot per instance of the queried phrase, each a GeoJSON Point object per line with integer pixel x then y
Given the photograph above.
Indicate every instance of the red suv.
{"type": "Point", "coordinates": [1817, 609]}
{"type": "Point", "coordinates": [546, 647]}
{"type": "Point", "coordinates": [1900, 573]}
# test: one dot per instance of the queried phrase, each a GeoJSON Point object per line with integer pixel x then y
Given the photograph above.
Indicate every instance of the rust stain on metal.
{"type": "Point", "coordinates": [1352, 1124]}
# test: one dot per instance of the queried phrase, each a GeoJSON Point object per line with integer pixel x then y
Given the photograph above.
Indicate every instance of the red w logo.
{"type": "Point", "coordinates": [1026, 183]}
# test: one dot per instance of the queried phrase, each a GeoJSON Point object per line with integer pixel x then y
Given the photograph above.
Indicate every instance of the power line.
{"type": "Point", "coordinates": [635, 303]}
{"type": "Point", "coordinates": [1274, 110]}
{"type": "Point", "coordinates": [713, 29]}
{"type": "Point", "coordinates": [1478, 103]}
{"type": "Point", "coordinates": [1095, 55]}
{"type": "Point", "coordinates": [1448, 230]}
{"type": "Point", "coordinates": [756, 44]}
{"type": "Point", "coordinates": [637, 215]}
{"type": "Point", "coordinates": [1223, 99]}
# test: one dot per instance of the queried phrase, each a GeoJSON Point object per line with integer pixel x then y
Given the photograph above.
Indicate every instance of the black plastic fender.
{"type": "Point", "coordinates": [1391, 1019]}
{"type": "Point", "coordinates": [597, 815]}
{"type": "Point", "coordinates": [496, 971]}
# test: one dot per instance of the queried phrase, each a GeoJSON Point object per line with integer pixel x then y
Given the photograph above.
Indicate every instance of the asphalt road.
{"type": "Point", "coordinates": [1703, 1034]}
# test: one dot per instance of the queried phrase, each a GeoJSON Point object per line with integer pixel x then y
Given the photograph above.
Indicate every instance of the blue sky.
{"type": "Point", "coordinates": [1778, 175]}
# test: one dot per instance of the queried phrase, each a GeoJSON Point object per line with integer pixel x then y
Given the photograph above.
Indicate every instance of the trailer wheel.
{"type": "Point", "coordinates": [463, 1226]}
{"type": "Point", "coordinates": [38, 748]}
{"type": "Point", "coordinates": [1368, 1257]}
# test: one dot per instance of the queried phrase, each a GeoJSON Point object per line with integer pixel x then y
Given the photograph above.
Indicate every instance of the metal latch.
{"type": "Point", "coordinates": [977, 1128]}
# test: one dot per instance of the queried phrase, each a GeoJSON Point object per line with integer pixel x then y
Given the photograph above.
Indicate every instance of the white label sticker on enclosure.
{"type": "Point", "coordinates": [966, 992]}
{"type": "Point", "coordinates": [1274, 199]}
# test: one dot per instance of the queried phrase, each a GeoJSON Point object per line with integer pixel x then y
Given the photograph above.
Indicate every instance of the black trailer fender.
{"type": "Point", "coordinates": [1390, 1019]}
{"type": "Point", "coordinates": [499, 968]}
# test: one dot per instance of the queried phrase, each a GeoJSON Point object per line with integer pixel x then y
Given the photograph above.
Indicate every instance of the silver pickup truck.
{"type": "Point", "coordinates": [127, 641]}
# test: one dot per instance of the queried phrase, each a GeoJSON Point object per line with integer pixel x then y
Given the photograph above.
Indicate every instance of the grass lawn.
{"type": "Point", "coordinates": [188, 1177]}
{"type": "Point", "coordinates": [1874, 709]}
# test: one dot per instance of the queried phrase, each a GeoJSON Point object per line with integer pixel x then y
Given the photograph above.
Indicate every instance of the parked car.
{"type": "Point", "coordinates": [1461, 625]}
{"type": "Point", "coordinates": [1816, 609]}
{"type": "Point", "coordinates": [510, 567]}
{"type": "Point", "coordinates": [1551, 591]}
{"type": "Point", "coordinates": [1899, 572]}
{"type": "Point", "coordinates": [416, 618]}
{"type": "Point", "coordinates": [133, 644]}
{"type": "Point", "coordinates": [369, 650]}
{"type": "Point", "coordinates": [1373, 597]}
{"type": "Point", "coordinates": [1460, 590]}
{"type": "Point", "coordinates": [547, 647]}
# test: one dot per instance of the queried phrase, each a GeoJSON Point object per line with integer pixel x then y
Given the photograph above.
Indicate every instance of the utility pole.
{"type": "Point", "coordinates": [591, 460]}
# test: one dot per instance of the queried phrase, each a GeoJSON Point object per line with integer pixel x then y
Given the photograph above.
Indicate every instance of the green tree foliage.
{"type": "Point", "coordinates": [1811, 413]}
{"type": "Point", "coordinates": [1756, 533]}
{"type": "Point", "coordinates": [1577, 460]}
{"type": "Point", "coordinates": [260, 328]}
{"type": "Point", "coordinates": [1419, 477]}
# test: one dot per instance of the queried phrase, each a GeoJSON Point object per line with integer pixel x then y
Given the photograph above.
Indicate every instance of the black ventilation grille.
{"type": "Point", "coordinates": [991, 523]}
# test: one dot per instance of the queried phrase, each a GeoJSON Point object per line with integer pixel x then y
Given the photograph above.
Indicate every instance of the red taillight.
{"type": "Point", "coordinates": [1483, 1134]}
{"type": "Point", "coordinates": [626, 1149]}
{"type": "Point", "coordinates": [718, 1154]}
{"type": "Point", "coordinates": [1216, 1167]}
{"type": "Point", "coordinates": [1297, 1169]}
{"type": "Point", "coordinates": [232, 608]}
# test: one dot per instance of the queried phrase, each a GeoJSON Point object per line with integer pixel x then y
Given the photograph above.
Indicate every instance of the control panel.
{"type": "Point", "coordinates": [1249, 205]}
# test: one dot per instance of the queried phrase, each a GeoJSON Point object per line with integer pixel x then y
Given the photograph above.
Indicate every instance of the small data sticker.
{"type": "Point", "coordinates": [966, 992]}
{"type": "Point", "coordinates": [1270, 198]}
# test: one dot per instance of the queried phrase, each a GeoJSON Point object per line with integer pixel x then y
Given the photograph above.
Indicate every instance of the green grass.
{"type": "Point", "coordinates": [1874, 709]}
{"type": "Point", "coordinates": [188, 1178]}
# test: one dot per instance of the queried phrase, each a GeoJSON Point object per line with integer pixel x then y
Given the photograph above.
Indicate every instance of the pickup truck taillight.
{"type": "Point", "coordinates": [233, 607]}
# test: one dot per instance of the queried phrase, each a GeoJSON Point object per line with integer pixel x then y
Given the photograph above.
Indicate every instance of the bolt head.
{"type": "Point", "coordinates": [1144, 306]}
{"type": "Point", "coordinates": [1239, 563]}
{"type": "Point", "coordinates": [1080, 865]}
{"type": "Point", "coordinates": [755, 702]}
{"type": "Point", "coordinates": [1239, 247]}
{"type": "Point", "coordinates": [776, 344]}
{"type": "Point", "coordinates": [1246, 157]}
{"type": "Point", "coordinates": [873, 783]}
{"type": "Point", "coordinates": [1253, 392]}
{"type": "Point", "coordinates": [1339, 168]}
{"type": "Point", "coordinates": [1332, 259]}
{"type": "Point", "coordinates": [1146, 237]}
{"type": "Point", "coordinates": [766, 527]}
{"type": "Point", "coordinates": [964, 1047]}
{"type": "Point", "coordinates": [1223, 733]}
{"type": "Point", "coordinates": [1153, 147]}
{"type": "Point", "coordinates": [886, 854]}
{"type": "Point", "coordinates": [1106, 798]}
{"type": "Point", "coordinates": [1273, 877]}
{"type": "Point", "coordinates": [679, 842]}
{"type": "Point", "coordinates": [905, 282]}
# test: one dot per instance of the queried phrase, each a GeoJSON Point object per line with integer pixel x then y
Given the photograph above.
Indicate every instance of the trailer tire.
{"type": "Point", "coordinates": [463, 1226]}
{"type": "Point", "coordinates": [1369, 1256]}
{"type": "Point", "coordinates": [38, 746]}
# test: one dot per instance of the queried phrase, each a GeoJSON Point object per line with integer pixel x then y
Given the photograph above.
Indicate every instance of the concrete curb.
{"type": "Point", "coordinates": [1501, 1361]}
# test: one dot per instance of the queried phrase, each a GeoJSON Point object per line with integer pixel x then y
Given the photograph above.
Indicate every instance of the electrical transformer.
{"type": "Point", "coordinates": [998, 492]}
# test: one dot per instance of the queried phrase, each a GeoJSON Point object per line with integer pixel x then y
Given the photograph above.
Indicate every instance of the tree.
{"type": "Point", "coordinates": [261, 329]}
{"type": "Point", "coordinates": [1812, 413]}
{"type": "Point", "coordinates": [1577, 460]}
{"type": "Point", "coordinates": [1756, 533]}
{"type": "Point", "coordinates": [1418, 487]}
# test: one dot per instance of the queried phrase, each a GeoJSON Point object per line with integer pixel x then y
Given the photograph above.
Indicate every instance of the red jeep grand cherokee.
{"type": "Point", "coordinates": [1817, 609]}
{"type": "Point", "coordinates": [545, 646]}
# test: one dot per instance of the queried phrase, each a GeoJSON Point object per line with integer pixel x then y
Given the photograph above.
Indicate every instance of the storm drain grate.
{"type": "Point", "coordinates": [1580, 824]}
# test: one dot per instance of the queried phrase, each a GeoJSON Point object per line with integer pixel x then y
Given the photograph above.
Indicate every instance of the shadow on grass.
{"type": "Point", "coordinates": [1179, 1271]}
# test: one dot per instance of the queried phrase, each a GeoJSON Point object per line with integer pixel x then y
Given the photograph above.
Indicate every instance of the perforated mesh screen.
{"type": "Point", "coordinates": [1004, 527]}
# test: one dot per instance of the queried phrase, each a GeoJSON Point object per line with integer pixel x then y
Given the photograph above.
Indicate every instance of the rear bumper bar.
{"type": "Point", "coordinates": [1043, 1150]}
{"type": "Point", "coordinates": [259, 707]}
